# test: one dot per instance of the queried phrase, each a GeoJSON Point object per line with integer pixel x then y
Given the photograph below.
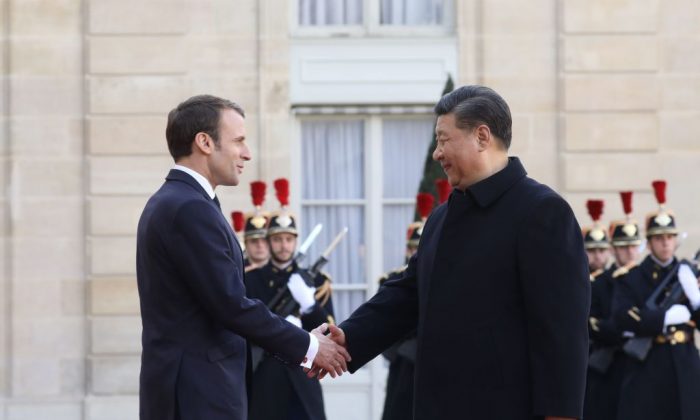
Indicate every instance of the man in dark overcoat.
{"type": "Point", "coordinates": [501, 335]}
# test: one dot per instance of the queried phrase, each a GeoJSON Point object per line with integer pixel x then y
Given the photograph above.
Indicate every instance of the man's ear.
{"type": "Point", "coordinates": [483, 137]}
{"type": "Point", "coordinates": [203, 143]}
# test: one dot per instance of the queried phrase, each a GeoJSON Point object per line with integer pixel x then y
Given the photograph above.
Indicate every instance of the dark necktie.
{"type": "Point", "coordinates": [216, 201]}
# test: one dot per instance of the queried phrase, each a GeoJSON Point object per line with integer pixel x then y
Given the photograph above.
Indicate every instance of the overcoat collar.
{"type": "Point", "coordinates": [487, 191]}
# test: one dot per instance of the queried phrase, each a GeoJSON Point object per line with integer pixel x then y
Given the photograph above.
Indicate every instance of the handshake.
{"type": "Point", "coordinates": [332, 356]}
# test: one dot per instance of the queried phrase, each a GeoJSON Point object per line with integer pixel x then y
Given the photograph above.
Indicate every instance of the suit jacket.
{"type": "Point", "coordinates": [196, 317]}
{"type": "Point", "coordinates": [500, 291]}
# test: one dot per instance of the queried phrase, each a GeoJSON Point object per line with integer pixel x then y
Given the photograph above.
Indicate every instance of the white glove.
{"type": "Point", "coordinates": [303, 294]}
{"type": "Point", "coordinates": [690, 285]}
{"type": "Point", "coordinates": [294, 320]}
{"type": "Point", "coordinates": [676, 314]}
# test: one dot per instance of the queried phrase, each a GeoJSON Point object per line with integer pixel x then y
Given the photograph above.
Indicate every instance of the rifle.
{"type": "Point", "coordinates": [283, 303]}
{"type": "Point", "coordinates": [638, 347]}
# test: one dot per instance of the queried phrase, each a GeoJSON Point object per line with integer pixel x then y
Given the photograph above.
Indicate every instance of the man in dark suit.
{"type": "Point", "coordinates": [502, 332]}
{"type": "Point", "coordinates": [196, 317]}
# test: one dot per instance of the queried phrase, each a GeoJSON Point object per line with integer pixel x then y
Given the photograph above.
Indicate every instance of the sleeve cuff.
{"type": "Point", "coordinates": [311, 352]}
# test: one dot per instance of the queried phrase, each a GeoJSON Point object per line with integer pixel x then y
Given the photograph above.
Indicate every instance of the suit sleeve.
{"type": "Point", "coordinates": [208, 265]}
{"type": "Point", "coordinates": [387, 317]}
{"type": "Point", "coordinates": [556, 293]}
{"type": "Point", "coordinates": [631, 314]}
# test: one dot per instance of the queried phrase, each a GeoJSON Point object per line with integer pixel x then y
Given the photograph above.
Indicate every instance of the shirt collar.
{"type": "Point", "coordinates": [488, 190]}
{"type": "Point", "coordinates": [201, 180]}
{"type": "Point", "coordinates": [660, 263]}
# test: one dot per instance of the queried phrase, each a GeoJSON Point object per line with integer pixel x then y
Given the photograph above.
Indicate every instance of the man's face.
{"type": "Point", "coordinates": [625, 254]}
{"type": "Point", "coordinates": [597, 258]}
{"type": "Point", "coordinates": [228, 156]}
{"type": "Point", "coordinates": [457, 151]}
{"type": "Point", "coordinates": [663, 246]}
{"type": "Point", "coordinates": [257, 249]}
{"type": "Point", "coordinates": [282, 246]}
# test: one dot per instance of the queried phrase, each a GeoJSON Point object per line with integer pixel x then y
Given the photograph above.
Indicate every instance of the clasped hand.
{"type": "Point", "coordinates": [332, 356]}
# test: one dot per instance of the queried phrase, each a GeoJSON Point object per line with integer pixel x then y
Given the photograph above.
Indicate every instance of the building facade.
{"type": "Point", "coordinates": [605, 96]}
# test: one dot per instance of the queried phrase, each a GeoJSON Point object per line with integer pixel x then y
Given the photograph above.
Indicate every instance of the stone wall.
{"type": "Point", "coordinates": [43, 186]}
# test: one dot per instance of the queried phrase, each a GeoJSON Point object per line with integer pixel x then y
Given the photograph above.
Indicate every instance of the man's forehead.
{"type": "Point", "coordinates": [444, 122]}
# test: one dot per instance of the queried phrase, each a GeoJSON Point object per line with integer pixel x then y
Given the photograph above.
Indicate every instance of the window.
{"type": "Point", "coordinates": [412, 12]}
{"type": "Point", "coordinates": [363, 173]}
{"type": "Point", "coordinates": [329, 12]}
{"type": "Point", "coordinates": [370, 17]}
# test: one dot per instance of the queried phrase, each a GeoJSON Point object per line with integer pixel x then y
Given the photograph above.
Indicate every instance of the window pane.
{"type": "Point", "coordinates": [346, 301]}
{"type": "Point", "coordinates": [330, 12]}
{"type": "Point", "coordinates": [396, 220]}
{"type": "Point", "coordinates": [332, 159]}
{"type": "Point", "coordinates": [405, 147]}
{"type": "Point", "coordinates": [347, 262]}
{"type": "Point", "coordinates": [413, 12]}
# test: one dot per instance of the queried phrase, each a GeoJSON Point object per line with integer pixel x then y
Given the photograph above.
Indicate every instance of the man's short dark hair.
{"type": "Point", "coordinates": [474, 105]}
{"type": "Point", "coordinates": [199, 114]}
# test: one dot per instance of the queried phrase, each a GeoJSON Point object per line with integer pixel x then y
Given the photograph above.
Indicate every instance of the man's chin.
{"type": "Point", "coordinates": [284, 260]}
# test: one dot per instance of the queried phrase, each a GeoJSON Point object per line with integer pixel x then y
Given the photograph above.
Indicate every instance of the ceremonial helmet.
{"type": "Point", "coordinates": [595, 236]}
{"type": "Point", "coordinates": [282, 221]}
{"type": "Point", "coordinates": [256, 222]}
{"type": "Point", "coordinates": [625, 232]}
{"type": "Point", "coordinates": [662, 221]}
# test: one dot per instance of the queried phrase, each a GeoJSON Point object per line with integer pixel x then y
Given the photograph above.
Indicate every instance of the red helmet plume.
{"type": "Point", "coordinates": [443, 189]}
{"type": "Point", "coordinates": [238, 221]}
{"type": "Point", "coordinates": [257, 191]}
{"type": "Point", "coordinates": [425, 203]}
{"type": "Point", "coordinates": [282, 191]}
{"type": "Point", "coordinates": [626, 197]}
{"type": "Point", "coordinates": [595, 209]}
{"type": "Point", "coordinates": [660, 191]}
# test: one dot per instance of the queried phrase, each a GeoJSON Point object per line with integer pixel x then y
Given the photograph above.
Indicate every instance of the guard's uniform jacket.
{"type": "Point", "coordinates": [666, 385]}
{"type": "Point", "coordinates": [605, 376]}
{"type": "Point", "coordinates": [280, 389]}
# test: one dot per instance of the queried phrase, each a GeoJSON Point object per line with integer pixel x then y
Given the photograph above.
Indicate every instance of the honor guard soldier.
{"type": "Point", "coordinates": [659, 303]}
{"type": "Point", "coordinates": [607, 361]}
{"type": "Point", "coordinates": [255, 236]}
{"type": "Point", "coordinates": [281, 391]}
{"type": "Point", "coordinates": [595, 240]}
{"type": "Point", "coordinates": [398, 403]}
